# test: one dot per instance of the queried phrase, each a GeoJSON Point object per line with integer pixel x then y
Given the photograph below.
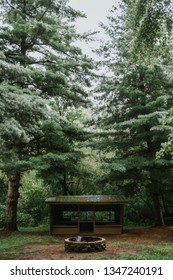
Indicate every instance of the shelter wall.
{"type": "Point", "coordinates": [79, 219]}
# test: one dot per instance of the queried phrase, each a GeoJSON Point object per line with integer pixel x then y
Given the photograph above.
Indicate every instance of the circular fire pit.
{"type": "Point", "coordinates": [85, 244]}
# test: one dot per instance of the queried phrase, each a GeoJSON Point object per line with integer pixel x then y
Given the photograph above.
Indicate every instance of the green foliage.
{"type": "Point", "coordinates": [151, 24]}
{"type": "Point", "coordinates": [32, 210]}
{"type": "Point", "coordinates": [139, 210]}
{"type": "Point", "coordinates": [2, 215]}
{"type": "Point", "coordinates": [136, 95]}
{"type": "Point", "coordinates": [3, 193]}
{"type": "Point", "coordinates": [42, 71]}
{"type": "Point", "coordinates": [36, 41]}
{"type": "Point", "coordinates": [90, 170]}
{"type": "Point", "coordinates": [166, 150]}
{"type": "Point", "coordinates": [131, 123]}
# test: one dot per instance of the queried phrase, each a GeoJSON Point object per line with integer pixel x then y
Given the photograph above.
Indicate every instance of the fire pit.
{"type": "Point", "coordinates": [84, 244]}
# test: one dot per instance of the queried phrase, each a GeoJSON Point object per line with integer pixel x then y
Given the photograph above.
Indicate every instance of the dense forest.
{"type": "Point", "coordinates": [72, 126]}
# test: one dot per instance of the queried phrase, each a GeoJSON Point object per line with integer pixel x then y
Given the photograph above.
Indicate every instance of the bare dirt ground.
{"type": "Point", "coordinates": [130, 237]}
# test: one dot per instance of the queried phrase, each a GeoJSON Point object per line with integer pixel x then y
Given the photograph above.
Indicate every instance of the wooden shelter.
{"type": "Point", "coordinates": [91, 214]}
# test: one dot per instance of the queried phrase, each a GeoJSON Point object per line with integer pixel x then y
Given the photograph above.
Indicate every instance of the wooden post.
{"type": "Point", "coordinates": [94, 218]}
{"type": "Point", "coordinates": [50, 218]}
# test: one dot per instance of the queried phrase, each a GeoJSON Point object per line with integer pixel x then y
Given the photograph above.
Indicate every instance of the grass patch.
{"type": "Point", "coordinates": [39, 228]}
{"type": "Point", "coordinates": [16, 245]}
{"type": "Point", "coordinates": [146, 252]}
{"type": "Point", "coordinates": [12, 244]}
{"type": "Point", "coordinates": [101, 257]}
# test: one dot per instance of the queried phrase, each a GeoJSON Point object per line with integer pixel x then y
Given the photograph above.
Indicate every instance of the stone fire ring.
{"type": "Point", "coordinates": [84, 244]}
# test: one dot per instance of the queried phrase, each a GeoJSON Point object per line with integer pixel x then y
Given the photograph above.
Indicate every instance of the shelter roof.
{"type": "Point", "coordinates": [86, 199]}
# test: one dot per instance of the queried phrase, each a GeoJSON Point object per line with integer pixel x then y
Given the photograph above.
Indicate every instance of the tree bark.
{"type": "Point", "coordinates": [12, 201]}
{"type": "Point", "coordinates": [156, 198]}
{"type": "Point", "coordinates": [64, 186]}
{"type": "Point", "coordinates": [155, 186]}
{"type": "Point", "coordinates": [65, 189]}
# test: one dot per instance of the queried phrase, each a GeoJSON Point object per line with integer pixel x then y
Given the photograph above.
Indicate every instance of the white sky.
{"type": "Point", "coordinates": [96, 11]}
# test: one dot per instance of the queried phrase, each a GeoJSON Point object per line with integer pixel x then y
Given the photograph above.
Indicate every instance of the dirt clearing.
{"type": "Point", "coordinates": [117, 246]}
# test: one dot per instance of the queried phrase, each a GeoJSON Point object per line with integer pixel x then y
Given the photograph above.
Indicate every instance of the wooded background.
{"type": "Point", "coordinates": [71, 125]}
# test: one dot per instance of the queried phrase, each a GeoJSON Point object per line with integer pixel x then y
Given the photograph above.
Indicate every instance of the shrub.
{"type": "Point", "coordinates": [2, 215]}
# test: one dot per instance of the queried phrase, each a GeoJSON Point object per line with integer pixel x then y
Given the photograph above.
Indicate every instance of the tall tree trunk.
{"type": "Point", "coordinates": [156, 198]}
{"type": "Point", "coordinates": [65, 189]}
{"type": "Point", "coordinates": [165, 205]}
{"type": "Point", "coordinates": [12, 201]}
{"type": "Point", "coordinates": [64, 186]}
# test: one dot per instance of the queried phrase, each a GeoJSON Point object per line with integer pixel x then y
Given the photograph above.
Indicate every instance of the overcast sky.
{"type": "Point", "coordinates": [96, 11]}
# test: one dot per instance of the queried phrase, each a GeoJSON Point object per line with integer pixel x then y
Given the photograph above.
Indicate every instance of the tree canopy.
{"type": "Point", "coordinates": [45, 79]}
{"type": "Point", "coordinates": [137, 94]}
{"type": "Point", "coordinates": [151, 25]}
{"type": "Point", "coordinates": [44, 73]}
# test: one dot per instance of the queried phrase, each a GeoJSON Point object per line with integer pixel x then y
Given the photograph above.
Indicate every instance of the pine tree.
{"type": "Point", "coordinates": [43, 74]}
{"type": "Point", "coordinates": [152, 25]}
{"type": "Point", "coordinates": [137, 93]}
{"type": "Point", "coordinates": [166, 150]}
